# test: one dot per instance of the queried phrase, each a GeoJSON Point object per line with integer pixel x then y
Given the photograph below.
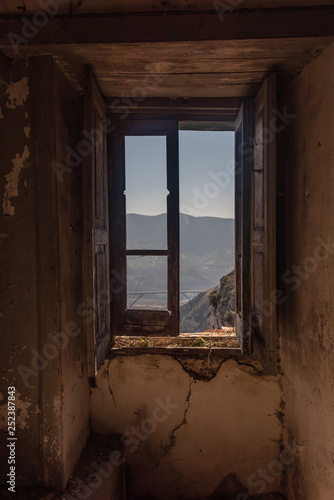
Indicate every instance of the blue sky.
{"type": "Point", "coordinates": [206, 180]}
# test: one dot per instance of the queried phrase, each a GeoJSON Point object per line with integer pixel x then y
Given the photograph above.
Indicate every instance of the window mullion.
{"type": "Point", "coordinates": [173, 227]}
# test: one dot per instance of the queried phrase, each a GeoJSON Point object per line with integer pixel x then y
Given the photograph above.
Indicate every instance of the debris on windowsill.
{"type": "Point", "coordinates": [224, 337]}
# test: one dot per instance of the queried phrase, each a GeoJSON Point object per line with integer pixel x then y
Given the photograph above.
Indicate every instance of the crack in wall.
{"type": "Point", "coordinates": [184, 421]}
{"type": "Point", "coordinates": [196, 375]}
{"type": "Point", "coordinates": [256, 371]}
{"type": "Point", "coordinates": [168, 447]}
{"type": "Point", "coordinates": [204, 369]}
{"type": "Point", "coordinates": [213, 371]}
{"type": "Point", "coordinates": [109, 386]}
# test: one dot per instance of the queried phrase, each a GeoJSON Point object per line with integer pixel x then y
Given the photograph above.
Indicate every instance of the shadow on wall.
{"type": "Point", "coordinates": [188, 425]}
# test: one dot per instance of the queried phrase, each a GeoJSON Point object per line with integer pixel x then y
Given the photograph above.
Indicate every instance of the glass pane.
{"type": "Point", "coordinates": [146, 192]}
{"type": "Point", "coordinates": [206, 220]}
{"type": "Point", "coordinates": [147, 282]}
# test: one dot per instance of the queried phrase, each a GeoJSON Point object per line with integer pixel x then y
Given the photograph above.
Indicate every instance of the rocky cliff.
{"type": "Point", "coordinates": [222, 303]}
{"type": "Point", "coordinates": [212, 309]}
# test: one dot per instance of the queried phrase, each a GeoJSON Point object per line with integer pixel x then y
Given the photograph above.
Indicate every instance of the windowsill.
{"type": "Point", "coordinates": [207, 358]}
{"type": "Point", "coordinates": [174, 350]}
{"type": "Point", "coordinates": [218, 343]}
{"type": "Point", "coordinates": [222, 338]}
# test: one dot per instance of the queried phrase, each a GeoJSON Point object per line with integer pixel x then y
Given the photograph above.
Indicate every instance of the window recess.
{"type": "Point", "coordinates": [255, 216]}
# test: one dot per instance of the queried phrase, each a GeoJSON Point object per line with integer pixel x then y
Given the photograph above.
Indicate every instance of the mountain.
{"type": "Point", "coordinates": [212, 309]}
{"type": "Point", "coordinates": [222, 303]}
{"type": "Point", "coordinates": [206, 251]}
{"type": "Point", "coordinates": [193, 314]}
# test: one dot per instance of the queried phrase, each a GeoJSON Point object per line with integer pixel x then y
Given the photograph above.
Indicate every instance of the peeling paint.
{"type": "Point", "coordinates": [1, 115]}
{"type": "Point", "coordinates": [17, 93]}
{"type": "Point", "coordinates": [21, 410]}
{"type": "Point", "coordinates": [11, 188]}
{"type": "Point", "coordinates": [22, 413]}
{"type": "Point", "coordinates": [27, 131]}
{"type": "Point", "coordinates": [3, 416]}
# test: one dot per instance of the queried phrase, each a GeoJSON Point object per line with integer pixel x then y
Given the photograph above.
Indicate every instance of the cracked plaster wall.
{"type": "Point", "coordinates": [225, 424]}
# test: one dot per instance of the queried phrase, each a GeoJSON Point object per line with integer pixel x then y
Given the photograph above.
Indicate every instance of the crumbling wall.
{"type": "Point", "coordinates": [307, 276]}
{"type": "Point", "coordinates": [187, 427]}
{"type": "Point", "coordinates": [44, 353]}
{"type": "Point", "coordinates": [18, 277]}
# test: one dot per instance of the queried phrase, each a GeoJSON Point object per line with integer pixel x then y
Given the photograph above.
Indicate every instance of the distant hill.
{"type": "Point", "coordinates": [211, 309]}
{"type": "Point", "coordinates": [206, 250]}
{"type": "Point", "coordinates": [222, 303]}
{"type": "Point", "coordinates": [193, 314]}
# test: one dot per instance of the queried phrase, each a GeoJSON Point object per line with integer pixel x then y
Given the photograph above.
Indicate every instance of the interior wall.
{"type": "Point", "coordinates": [307, 277]}
{"type": "Point", "coordinates": [75, 387]}
{"type": "Point", "coordinates": [18, 277]}
{"type": "Point", "coordinates": [190, 425]}
{"type": "Point", "coordinates": [44, 354]}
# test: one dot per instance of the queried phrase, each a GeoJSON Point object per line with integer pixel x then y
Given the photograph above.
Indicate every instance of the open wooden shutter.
{"type": "Point", "coordinates": [243, 174]}
{"type": "Point", "coordinates": [96, 235]}
{"type": "Point", "coordinates": [263, 228]}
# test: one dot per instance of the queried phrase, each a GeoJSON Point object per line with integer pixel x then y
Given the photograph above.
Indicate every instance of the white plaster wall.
{"type": "Point", "coordinates": [222, 426]}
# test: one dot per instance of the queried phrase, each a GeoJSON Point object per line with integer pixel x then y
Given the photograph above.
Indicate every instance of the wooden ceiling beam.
{"type": "Point", "coordinates": [171, 27]}
{"type": "Point", "coordinates": [184, 106]}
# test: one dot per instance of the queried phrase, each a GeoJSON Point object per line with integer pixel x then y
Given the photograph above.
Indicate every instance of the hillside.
{"type": "Point", "coordinates": [206, 251]}
{"type": "Point", "coordinates": [212, 309]}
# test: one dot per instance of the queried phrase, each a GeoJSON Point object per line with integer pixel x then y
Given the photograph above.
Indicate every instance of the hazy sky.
{"type": "Point", "coordinates": [206, 174]}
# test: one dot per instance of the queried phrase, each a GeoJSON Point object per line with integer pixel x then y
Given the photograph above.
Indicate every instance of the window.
{"type": "Point", "coordinates": [255, 221]}
{"type": "Point", "coordinates": [155, 146]}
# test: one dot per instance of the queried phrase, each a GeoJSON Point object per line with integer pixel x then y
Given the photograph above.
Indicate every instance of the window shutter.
{"type": "Point", "coordinates": [243, 173]}
{"type": "Point", "coordinates": [96, 235]}
{"type": "Point", "coordinates": [263, 228]}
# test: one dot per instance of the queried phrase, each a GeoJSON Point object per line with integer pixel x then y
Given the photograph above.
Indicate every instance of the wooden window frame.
{"type": "Point", "coordinates": [255, 248]}
{"type": "Point", "coordinates": [228, 114]}
{"type": "Point", "coordinates": [96, 231]}
{"type": "Point", "coordinates": [156, 117]}
{"type": "Point", "coordinates": [131, 321]}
